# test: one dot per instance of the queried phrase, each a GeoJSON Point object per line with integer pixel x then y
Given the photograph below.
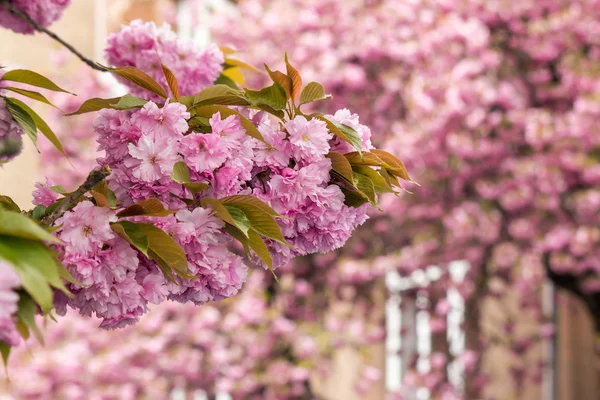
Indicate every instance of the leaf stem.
{"type": "Point", "coordinates": [20, 14]}
{"type": "Point", "coordinates": [94, 178]}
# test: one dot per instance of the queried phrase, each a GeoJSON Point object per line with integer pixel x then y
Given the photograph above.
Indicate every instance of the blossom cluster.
{"type": "Point", "coordinates": [493, 108]}
{"type": "Point", "coordinates": [43, 12]}
{"type": "Point", "coordinates": [142, 148]}
{"type": "Point", "coordinates": [9, 281]}
{"type": "Point", "coordinates": [145, 46]}
{"type": "Point", "coordinates": [282, 164]}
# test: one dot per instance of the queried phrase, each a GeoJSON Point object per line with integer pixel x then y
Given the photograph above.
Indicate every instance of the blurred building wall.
{"type": "Point", "coordinates": [17, 178]}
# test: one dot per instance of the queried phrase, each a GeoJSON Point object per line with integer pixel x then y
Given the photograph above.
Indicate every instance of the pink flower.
{"type": "Point", "coordinates": [274, 154]}
{"type": "Point", "coordinates": [43, 195]}
{"type": "Point", "coordinates": [309, 139]}
{"type": "Point", "coordinates": [204, 223]}
{"type": "Point", "coordinates": [204, 153]}
{"type": "Point", "coordinates": [86, 227]}
{"type": "Point", "coordinates": [156, 159]}
{"type": "Point", "coordinates": [228, 181]}
{"type": "Point", "coordinates": [345, 117]}
{"type": "Point", "coordinates": [144, 45]}
{"type": "Point", "coordinates": [168, 122]}
{"type": "Point", "coordinates": [229, 129]}
{"type": "Point", "coordinates": [44, 12]}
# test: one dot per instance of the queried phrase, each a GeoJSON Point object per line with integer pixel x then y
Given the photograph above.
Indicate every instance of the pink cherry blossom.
{"type": "Point", "coordinates": [44, 12]}
{"type": "Point", "coordinates": [152, 159]}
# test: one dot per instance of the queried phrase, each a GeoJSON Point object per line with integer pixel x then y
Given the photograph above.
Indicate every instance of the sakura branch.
{"type": "Point", "coordinates": [27, 19]}
{"type": "Point", "coordinates": [93, 179]}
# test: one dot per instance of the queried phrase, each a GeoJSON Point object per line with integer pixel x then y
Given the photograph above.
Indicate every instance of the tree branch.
{"type": "Point", "coordinates": [570, 283]}
{"type": "Point", "coordinates": [94, 178]}
{"type": "Point", "coordinates": [20, 14]}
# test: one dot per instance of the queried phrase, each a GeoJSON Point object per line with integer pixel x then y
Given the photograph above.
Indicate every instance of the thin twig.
{"type": "Point", "coordinates": [20, 14]}
{"type": "Point", "coordinates": [94, 178]}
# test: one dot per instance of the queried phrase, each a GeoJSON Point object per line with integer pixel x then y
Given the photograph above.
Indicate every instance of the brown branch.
{"type": "Point", "coordinates": [20, 14]}
{"type": "Point", "coordinates": [94, 178]}
{"type": "Point", "coordinates": [571, 284]}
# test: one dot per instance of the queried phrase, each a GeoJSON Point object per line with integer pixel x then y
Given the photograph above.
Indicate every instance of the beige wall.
{"type": "Point", "coordinates": [17, 178]}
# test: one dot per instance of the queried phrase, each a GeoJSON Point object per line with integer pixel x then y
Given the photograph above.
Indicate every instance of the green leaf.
{"type": "Point", "coordinates": [224, 80]}
{"type": "Point", "coordinates": [344, 132]}
{"type": "Point", "coordinates": [379, 183]}
{"type": "Point", "coordinates": [108, 194]}
{"type": "Point", "coordinates": [196, 187]}
{"type": "Point", "coordinates": [257, 244]}
{"type": "Point", "coordinates": [227, 50]}
{"type": "Point", "coordinates": [32, 95]}
{"type": "Point", "coordinates": [6, 203]}
{"type": "Point", "coordinates": [235, 74]}
{"type": "Point", "coordinates": [128, 102]}
{"type": "Point", "coordinates": [209, 111]}
{"type": "Point", "coordinates": [341, 166]}
{"type": "Point", "coordinates": [263, 223]}
{"type": "Point", "coordinates": [22, 329]}
{"type": "Point", "coordinates": [353, 199]}
{"type": "Point", "coordinates": [18, 225]}
{"type": "Point", "coordinates": [26, 313]}
{"type": "Point", "coordinates": [390, 179]}
{"type": "Point", "coordinates": [278, 113]}
{"type": "Point", "coordinates": [349, 135]}
{"type": "Point", "coordinates": [147, 207]}
{"type": "Point", "coordinates": [95, 104]}
{"type": "Point", "coordinates": [199, 124]}
{"type": "Point", "coordinates": [238, 63]}
{"type": "Point", "coordinates": [356, 158]}
{"type": "Point", "coordinates": [238, 235]}
{"type": "Point", "coordinates": [5, 352]}
{"type": "Point", "coordinates": [23, 118]}
{"type": "Point", "coordinates": [220, 211]}
{"type": "Point", "coordinates": [66, 275]}
{"type": "Point", "coordinates": [365, 186]}
{"type": "Point", "coordinates": [36, 266]}
{"type": "Point", "coordinates": [42, 126]}
{"type": "Point", "coordinates": [295, 77]}
{"type": "Point", "coordinates": [171, 80]}
{"type": "Point", "coordinates": [394, 165]}
{"type": "Point", "coordinates": [38, 212]}
{"type": "Point", "coordinates": [163, 249]}
{"type": "Point", "coordinates": [133, 234]}
{"type": "Point", "coordinates": [245, 199]}
{"type": "Point", "coordinates": [383, 159]}
{"type": "Point", "coordinates": [273, 96]}
{"type": "Point", "coordinates": [155, 244]}
{"type": "Point", "coordinates": [181, 174]}
{"type": "Point", "coordinates": [187, 101]}
{"type": "Point", "coordinates": [241, 220]}
{"type": "Point", "coordinates": [99, 198]}
{"type": "Point", "coordinates": [282, 79]}
{"type": "Point", "coordinates": [59, 189]}
{"type": "Point", "coordinates": [312, 92]}
{"type": "Point", "coordinates": [220, 94]}
{"type": "Point", "coordinates": [139, 78]}
{"type": "Point", "coordinates": [31, 78]}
